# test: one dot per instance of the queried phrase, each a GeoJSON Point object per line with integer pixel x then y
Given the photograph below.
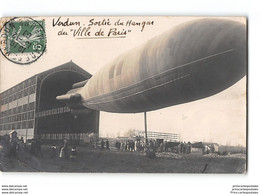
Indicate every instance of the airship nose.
{"type": "Point", "coordinates": [205, 39]}
{"type": "Point", "coordinates": [223, 56]}
{"type": "Point", "coordinates": [195, 60]}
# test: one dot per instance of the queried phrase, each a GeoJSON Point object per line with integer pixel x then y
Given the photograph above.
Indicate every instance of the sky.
{"type": "Point", "coordinates": [220, 118]}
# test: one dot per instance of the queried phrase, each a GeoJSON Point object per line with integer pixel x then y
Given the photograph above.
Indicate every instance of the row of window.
{"type": "Point", "coordinates": [18, 95]}
{"type": "Point", "coordinates": [158, 135]}
{"type": "Point", "coordinates": [70, 136]}
{"type": "Point", "coordinates": [53, 111]}
{"type": "Point", "coordinates": [18, 117]}
{"type": "Point", "coordinates": [21, 86]}
{"type": "Point", "coordinates": [19, 109]}
{"type": "Point", "coordinates": [18, 125]}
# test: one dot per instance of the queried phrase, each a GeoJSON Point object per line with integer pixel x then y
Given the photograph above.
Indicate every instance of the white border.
{"type": "Point", "coordinates": [149, 183]}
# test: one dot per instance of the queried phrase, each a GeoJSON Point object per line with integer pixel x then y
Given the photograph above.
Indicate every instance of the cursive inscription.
{"type": "Point", "coordinates": [95, 28]}
{"type": "Point", "coordinates": [67, 22]}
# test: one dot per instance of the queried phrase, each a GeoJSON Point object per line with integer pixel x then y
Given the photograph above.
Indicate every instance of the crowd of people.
{"type": "Point", "coordinates": [13, 147]}
{"type": "Point", "coordinates": [130, 145]}
{"type": "Point", "coordinates": [103, 143]}
{"type": "Point", "coordinates": [158, 146]}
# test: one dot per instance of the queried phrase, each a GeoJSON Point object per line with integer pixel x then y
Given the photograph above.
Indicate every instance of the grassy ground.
{"type": "Point", "coordinates": [114, 161]}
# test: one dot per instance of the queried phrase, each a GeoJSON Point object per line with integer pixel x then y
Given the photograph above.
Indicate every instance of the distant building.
{"type": "Point", "coordinates": [31, 108]}
{"type": "Point", "coordinates": [173, 137]}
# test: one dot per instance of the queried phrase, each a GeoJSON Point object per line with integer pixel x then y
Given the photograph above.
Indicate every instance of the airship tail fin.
{"type": "Point", "coordinates": [79, 84]}
{"type": "Point", "coordinates": [72, 95]}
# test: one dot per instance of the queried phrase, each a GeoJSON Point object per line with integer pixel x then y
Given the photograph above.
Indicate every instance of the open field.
{"type": "Point", "coordinates": [114, 161]}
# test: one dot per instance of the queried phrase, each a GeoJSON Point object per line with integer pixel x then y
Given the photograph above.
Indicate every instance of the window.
{"type": "Point", "coordinates": [25, 92]}
{"type": "Point", "coordinates": [15, 96]}
{"type": "Point", "coordinates": [24, 116]}
{"type": "Point", "coordinates": [25, 108]}
{"type": "Point", "coordinates": [55, 111]}
{"type": "Point", "coordinates": [19, 125]}
{"type": "Point", "coordinates": [20, 95]}
{"type": "Point", "coordinates": [19, 109]}
{"type": "Point", "coordinates": [19, 117]}
{"type": "Point", "coordinates": [14, 110]}
{"type": "Point", "coordinates": [30, 124]}
{"type": "Point", "coordinates": [30, 90]}
{"type": "Point", "coordinates": [24, 124]}
{"type": "Point", "coordinates": [31, 115]}
{"type": "Point", "coordinates": [31, 106]}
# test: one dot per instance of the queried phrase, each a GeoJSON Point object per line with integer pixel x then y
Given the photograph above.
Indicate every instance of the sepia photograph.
{"type": "Point", "coordinates": [124, 94]}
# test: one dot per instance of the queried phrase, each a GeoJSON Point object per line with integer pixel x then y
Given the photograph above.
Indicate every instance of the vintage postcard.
{"type": "Point", "coordinates": [123, 94]}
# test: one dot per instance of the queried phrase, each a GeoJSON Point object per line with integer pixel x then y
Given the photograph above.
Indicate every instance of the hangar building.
{"type": "Point", "coordinates": [31, 109]}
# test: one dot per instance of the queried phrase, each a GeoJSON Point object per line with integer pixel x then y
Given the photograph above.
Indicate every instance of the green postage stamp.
{"type": "Point", "coordinates": [23, 40]}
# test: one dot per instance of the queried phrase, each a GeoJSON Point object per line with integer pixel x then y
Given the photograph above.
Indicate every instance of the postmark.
{"type": "Point", "coordinates": [23, 40]}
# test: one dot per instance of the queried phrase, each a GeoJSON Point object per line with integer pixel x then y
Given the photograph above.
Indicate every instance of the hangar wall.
{"type": "Point", "coordinates": [32, 110]}
{"type": "Point", "coordinates": [18, 108]}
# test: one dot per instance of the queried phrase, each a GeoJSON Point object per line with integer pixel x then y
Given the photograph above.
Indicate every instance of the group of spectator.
{"type": "Point", "coordinates": [184, 148]}
{"type": "Point", "coordinates": [163, 146]}
{"type": "Point", "coordinates": [11, 146]}
{"type": "Point", "coordinates": [103, 144]}
{"type": "Point", "coordinates": [130, 145]}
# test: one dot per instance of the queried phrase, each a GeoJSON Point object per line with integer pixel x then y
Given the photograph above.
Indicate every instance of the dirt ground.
{"type": "Point", "coordinates": [118, 161]}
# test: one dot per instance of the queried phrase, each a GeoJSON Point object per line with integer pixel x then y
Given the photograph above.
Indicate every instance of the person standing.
{"type": "Point", "coordinates": [107, 144]}
{"type": "Point", "coordinates": [64, 151]}
{"type": "Point", "coordinates": [73, 154]}
{"type": "Point", "coordinates": [102, 144]}
{"type": "Point", "coordinates": [53, 152]}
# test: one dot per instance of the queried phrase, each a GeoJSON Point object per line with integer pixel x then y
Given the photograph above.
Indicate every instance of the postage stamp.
{"type": "Point", "coordinates": [23, 40]}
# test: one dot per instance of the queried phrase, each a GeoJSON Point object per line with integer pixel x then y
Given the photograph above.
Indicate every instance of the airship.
{"type": "Point", "coordinates": [191, 61]}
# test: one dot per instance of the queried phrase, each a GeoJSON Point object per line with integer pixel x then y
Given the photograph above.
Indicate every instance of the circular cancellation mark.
{"type": "Point", "coordinates": [23, 40]}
